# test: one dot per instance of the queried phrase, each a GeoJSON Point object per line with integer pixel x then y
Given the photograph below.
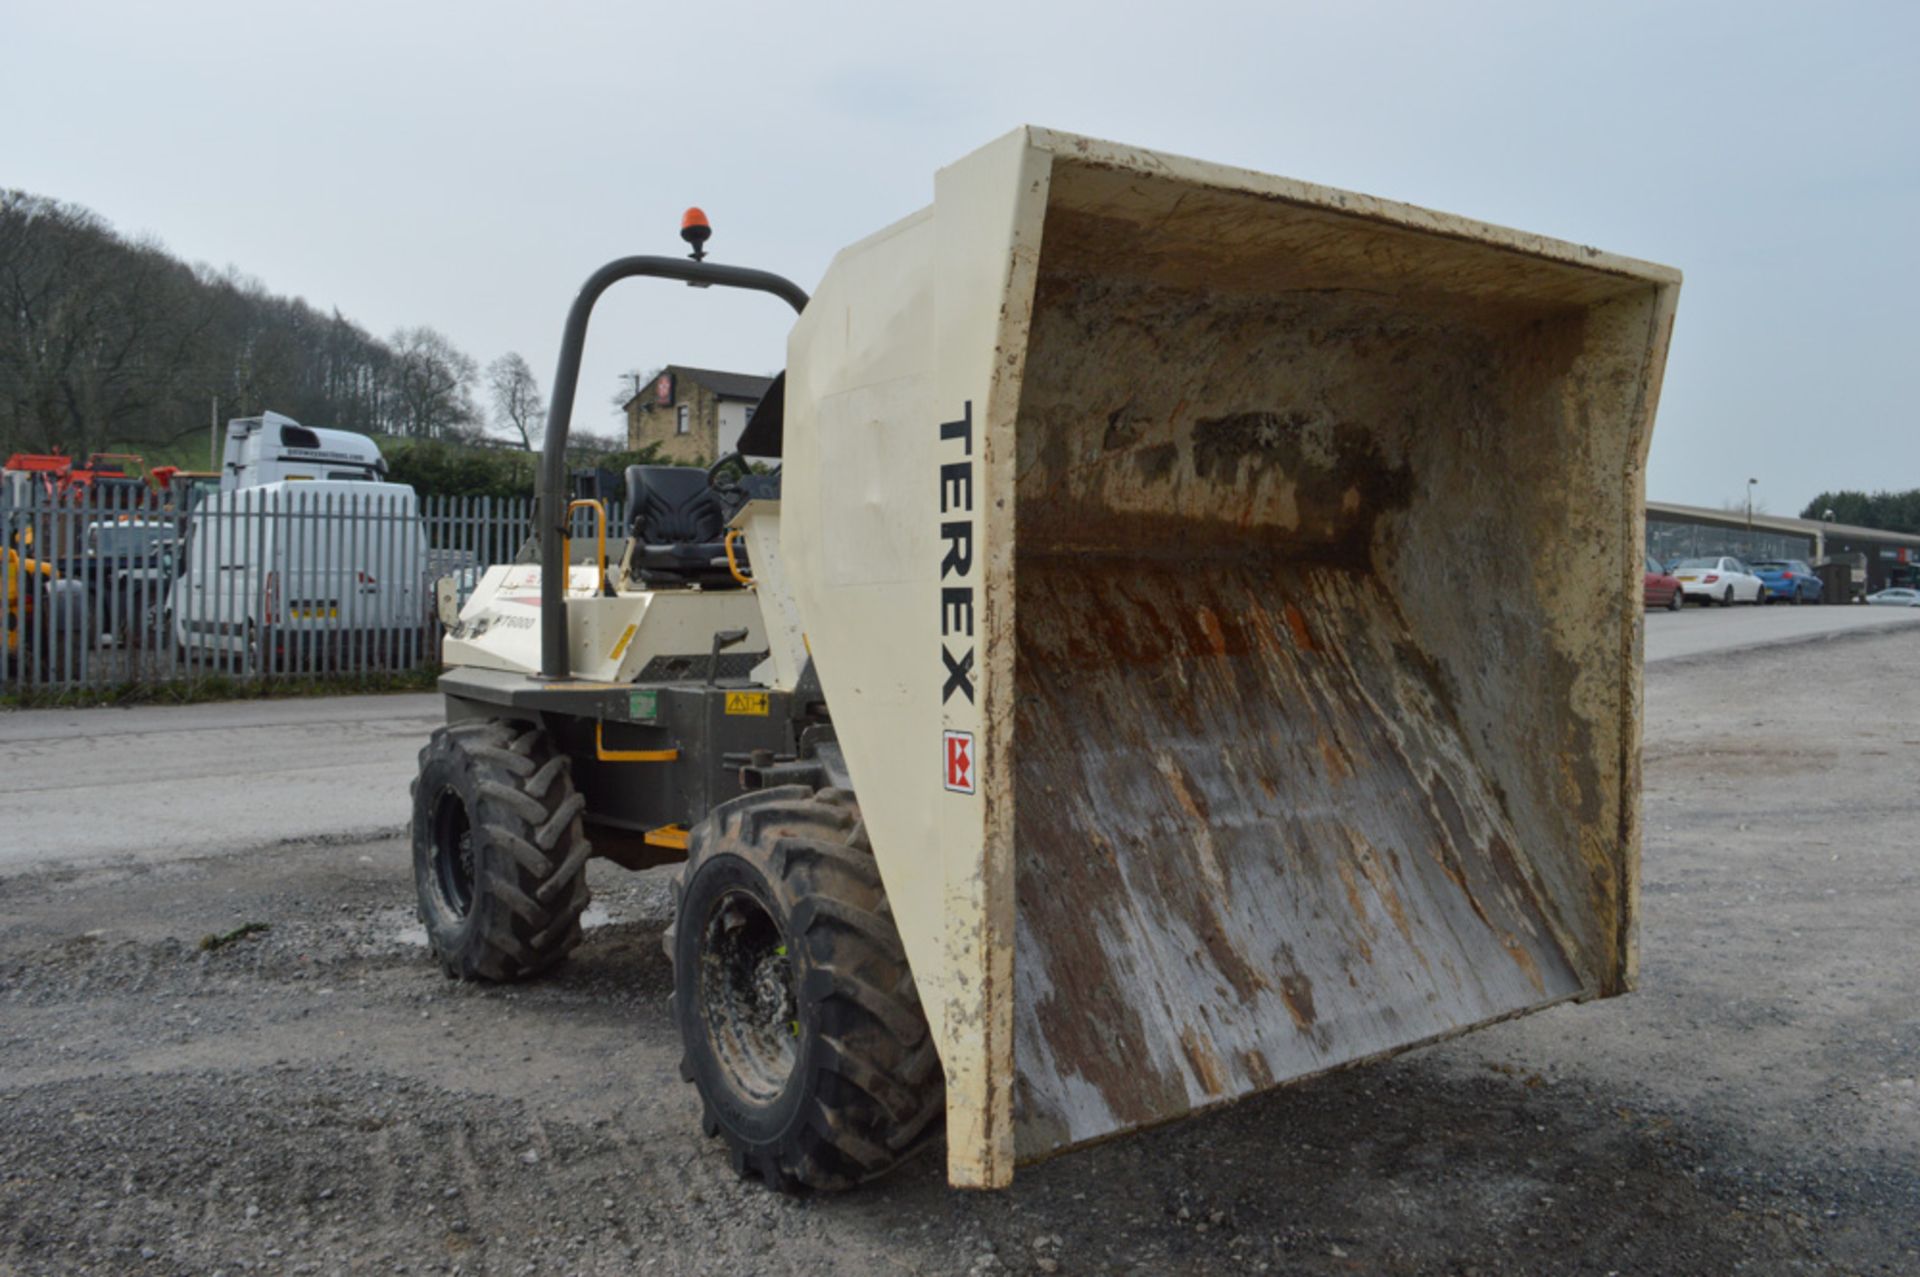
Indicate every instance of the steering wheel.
{"type": "Point", "coordinates": [729, 487]}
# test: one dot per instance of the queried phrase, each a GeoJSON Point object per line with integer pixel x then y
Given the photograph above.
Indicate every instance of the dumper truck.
{"type": "Point", "coordinates": [1191, 642]}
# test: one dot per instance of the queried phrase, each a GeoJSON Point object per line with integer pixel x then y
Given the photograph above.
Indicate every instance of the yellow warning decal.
{"type": "Point", "coordinates": [747, 703]}
{"type": "Point", "coordinates": [621, 646]}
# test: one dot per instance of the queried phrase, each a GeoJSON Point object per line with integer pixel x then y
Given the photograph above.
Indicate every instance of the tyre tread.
{"type": "Point", "coordinates": [877, 1093]}
{"type": "Point", "coordinates": [531, 849]}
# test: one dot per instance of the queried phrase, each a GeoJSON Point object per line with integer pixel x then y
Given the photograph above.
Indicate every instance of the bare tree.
{"type": "Point", "coordinates": [516, 398]}
{"type": "Point", "coordinates": [431, 382]}
{"type": "Point", "coordinates": [633, 384]}
{"type": "Point", "coordinates": [96, 333]}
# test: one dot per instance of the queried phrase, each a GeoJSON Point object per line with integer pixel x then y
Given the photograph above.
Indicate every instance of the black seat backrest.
{"type": "Point", "coordinates": [679, 526]}
{"type": "Point", "coordinates": [672, 505]}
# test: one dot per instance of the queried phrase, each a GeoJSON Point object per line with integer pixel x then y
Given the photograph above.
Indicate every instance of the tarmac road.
{"type": "Point", "coordinates": [1703, 631]}
{"type": "Point", "coordinates": [154, 783]}
{"type": "Point", "coordinates": [317, 1098]}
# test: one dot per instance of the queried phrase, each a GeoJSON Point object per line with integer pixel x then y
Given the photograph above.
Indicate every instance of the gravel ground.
{"type": "Point", "coordinates": [317, 1098]}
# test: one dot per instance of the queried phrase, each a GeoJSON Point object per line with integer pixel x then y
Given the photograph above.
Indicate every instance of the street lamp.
{"type": "Point", "coordinates": [1750, 484]}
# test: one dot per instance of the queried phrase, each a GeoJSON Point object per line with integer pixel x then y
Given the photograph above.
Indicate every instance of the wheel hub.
{"type": "Point", "coordinates": [747, 997]}
{"type": "Point", "coordinates": [453, 853]}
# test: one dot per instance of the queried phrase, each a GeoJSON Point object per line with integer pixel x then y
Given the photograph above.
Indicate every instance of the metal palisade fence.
{"type": "Point", "coordinates": [122, 585]}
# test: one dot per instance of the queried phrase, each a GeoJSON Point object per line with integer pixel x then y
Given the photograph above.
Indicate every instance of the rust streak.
{"type": "Point", "coordinates": [1206, 1065]}
{"type": "Point", "coordinates": [1297, 992]}
{"type": "Point", "coordinates": [1524, 960]}
{"type": "Point", "coordinates": [1338, 768]}
{"type": "Point", "coordinates": [1210, 625]}
{"type": "Point", "coordinates": [1447, 850]}
{"type": "Point", "coordinates": [1364, 931]}
{"type": "Point", "coordinates": [1302, 636]}
{"type": "Point", "coordinates": [1383, 886]}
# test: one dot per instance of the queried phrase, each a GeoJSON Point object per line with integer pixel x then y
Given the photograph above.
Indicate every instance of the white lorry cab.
{"type": "Point", "coordinates": [273, 448]}
{"type": "Point", "coordinates": [296, 576]}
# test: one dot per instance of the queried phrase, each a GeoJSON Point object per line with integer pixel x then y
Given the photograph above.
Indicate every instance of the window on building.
{"type": "Point", "coordinates": [684, 424]}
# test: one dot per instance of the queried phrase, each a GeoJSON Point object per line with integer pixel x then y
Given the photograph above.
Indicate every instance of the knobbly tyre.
{"type": "Point", "coordinates": [1191, 642]}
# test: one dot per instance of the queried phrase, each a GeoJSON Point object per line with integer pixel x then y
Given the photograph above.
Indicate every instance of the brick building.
{"type": "Point", "coordinates": [694, 414]}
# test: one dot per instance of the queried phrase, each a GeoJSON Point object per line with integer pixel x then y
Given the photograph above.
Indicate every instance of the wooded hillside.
{"type": "Point", "coordinates": [108, 343]}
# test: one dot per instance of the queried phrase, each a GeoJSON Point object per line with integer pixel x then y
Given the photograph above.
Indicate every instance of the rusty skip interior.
{"type": "Point", "coordinates": [1325, 534]}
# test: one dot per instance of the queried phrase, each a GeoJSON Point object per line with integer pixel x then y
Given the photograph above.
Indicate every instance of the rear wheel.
{"type": "Point", "coordinates": [499, 856]}
{"type": "Point", "coordinates": [799, 1019]}
{"type": "Point", "coordinates": [1726, 597]}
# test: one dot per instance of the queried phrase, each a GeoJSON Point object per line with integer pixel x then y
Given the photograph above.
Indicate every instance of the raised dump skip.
{"type": "Point", "coordinates": [1310, 541]}
{"type": "Point", "coordinates": [1289, 692]}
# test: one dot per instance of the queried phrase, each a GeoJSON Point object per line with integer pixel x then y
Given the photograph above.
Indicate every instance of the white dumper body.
{"type": "Point", "coordinates": [1199, 648]}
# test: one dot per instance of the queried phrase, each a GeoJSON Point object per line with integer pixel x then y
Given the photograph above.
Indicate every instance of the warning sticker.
{"type": "Point", "coordinates": [959, 752]}
{"type": "Point", "coordinates": [754, 703]}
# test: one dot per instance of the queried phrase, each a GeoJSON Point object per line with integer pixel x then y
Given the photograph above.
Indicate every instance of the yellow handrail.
{"type": "Point", "coordinates": [733, 564]}
{"type": "Point", "coordinates": [606, 755]}
{"type": "Point", "coordinates": [566, 543]}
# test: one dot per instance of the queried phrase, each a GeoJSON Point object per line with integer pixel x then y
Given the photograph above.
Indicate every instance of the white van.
{"type": "Point", "coordinates": [298, 576]}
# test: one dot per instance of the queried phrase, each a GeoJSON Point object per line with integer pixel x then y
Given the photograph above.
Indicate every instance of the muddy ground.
{"type": "Point", "coordinates": [317, 1098]}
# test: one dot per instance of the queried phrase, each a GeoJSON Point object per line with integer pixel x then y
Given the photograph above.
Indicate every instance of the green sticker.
{"type": "Point", "coordinates": [643, 704]}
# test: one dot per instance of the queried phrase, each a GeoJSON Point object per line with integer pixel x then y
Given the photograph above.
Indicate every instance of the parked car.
{"type": "Point", "coordinates": [127, 568]}
{"type": "Point", "coordinates": [1719, 578]}
{"type": "Point", "coordinates": [1660, 589]}
{"type": "Point", "coordinates": [1899, 596]}
{"type": "Point", "coordinates": [1788, 579]}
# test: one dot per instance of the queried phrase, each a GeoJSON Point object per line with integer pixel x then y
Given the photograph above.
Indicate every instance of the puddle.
{"type": "Point", "coordinates": [401, 926]}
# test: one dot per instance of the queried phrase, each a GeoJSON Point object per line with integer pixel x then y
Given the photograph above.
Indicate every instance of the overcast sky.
{"type": "Point", "coordinates": [465, 166]}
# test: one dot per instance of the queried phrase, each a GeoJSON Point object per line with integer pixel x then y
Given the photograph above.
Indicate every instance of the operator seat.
{"type": "Point", "coordinates": [678, 527]}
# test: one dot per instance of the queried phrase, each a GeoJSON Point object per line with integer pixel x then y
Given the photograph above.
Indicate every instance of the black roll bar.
{"type": "Point", "coordinates": [551, 507]}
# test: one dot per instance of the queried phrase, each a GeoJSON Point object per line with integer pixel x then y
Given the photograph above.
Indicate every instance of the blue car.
{"type": "Point", "coordinates": [1787, 579]}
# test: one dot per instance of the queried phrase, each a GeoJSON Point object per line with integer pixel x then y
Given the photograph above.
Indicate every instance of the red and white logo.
{"type": "Point", "coordinates": [960, 762]}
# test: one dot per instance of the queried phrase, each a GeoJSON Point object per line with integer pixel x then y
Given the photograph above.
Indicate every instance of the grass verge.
{"type": "Point", "coordinates": [218, 687]}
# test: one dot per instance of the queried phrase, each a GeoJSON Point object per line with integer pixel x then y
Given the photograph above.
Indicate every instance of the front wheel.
{"type": "Point", "coordinates": [1676, 601]}
{"type": "Point", "coordinates": [499, 855]}
{"type": "Point", "coordinates": [799, 1019]}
